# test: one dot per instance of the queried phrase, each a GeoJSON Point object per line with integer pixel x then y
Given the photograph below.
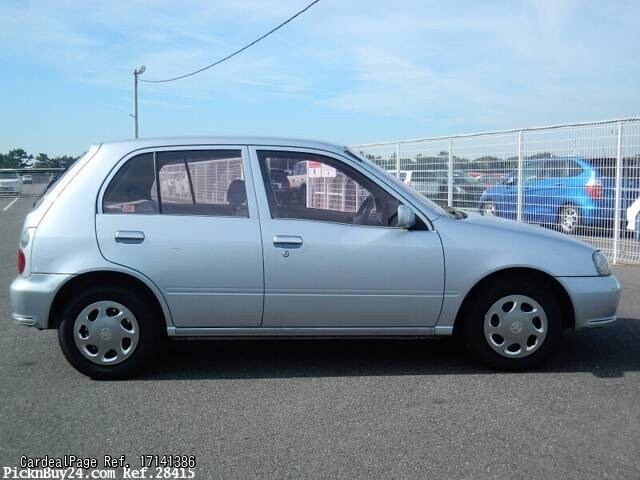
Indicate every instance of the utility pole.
{"type": "Point", "coordinates": [136, 74]}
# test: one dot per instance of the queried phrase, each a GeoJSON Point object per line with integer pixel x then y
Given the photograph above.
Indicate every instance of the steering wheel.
{"type": "Point", "coordinates": [363, 212]}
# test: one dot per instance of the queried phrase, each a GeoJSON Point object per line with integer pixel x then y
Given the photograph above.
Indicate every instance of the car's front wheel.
{"type": "Point", "coordinates": [489, 209]}
{"type": "Point", "coordinates": [108, 332]}
{"type": "Point", "coordinates": [512, 324]}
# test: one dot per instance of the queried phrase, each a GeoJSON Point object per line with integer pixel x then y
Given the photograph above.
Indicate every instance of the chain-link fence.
{"type": "Point", "coordinates": [581, 179]}
{"type": "Point", "coordinates": [30, 182]}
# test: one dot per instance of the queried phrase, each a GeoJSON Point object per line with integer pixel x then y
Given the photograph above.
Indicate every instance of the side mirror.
{"type": "Point", "coordinates": [406, 217]}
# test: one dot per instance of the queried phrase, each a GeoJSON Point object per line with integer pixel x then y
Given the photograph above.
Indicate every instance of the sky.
{"type": "Point", "coordinates": [346, 72]}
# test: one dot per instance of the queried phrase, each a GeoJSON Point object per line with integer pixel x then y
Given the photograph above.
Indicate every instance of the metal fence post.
{"type": "Point", "coordinates": [398, 160]}
{"type": "Point", "coordinates": [618, 197]}
{"type": "Point", "coordinates": [450, 175]}
{"type": "Point", "coordinates": [520, 168]}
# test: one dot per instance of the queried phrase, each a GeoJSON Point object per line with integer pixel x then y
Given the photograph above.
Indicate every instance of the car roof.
{"type": "Point", "coordinates": [224, 140]}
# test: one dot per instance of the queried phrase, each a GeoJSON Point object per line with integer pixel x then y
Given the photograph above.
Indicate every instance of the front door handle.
{"type": "Point", "coordinates": [287, 241]}
{"type": "Point", "coordinates": [129, 236]}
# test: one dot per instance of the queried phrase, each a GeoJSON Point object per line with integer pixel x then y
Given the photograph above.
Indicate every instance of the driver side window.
{"type": "Point", "coordinates": [308, 186]}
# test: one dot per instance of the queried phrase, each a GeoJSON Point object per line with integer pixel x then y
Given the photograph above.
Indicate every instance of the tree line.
{"type": "Point", "coordinates": [19, 158]}
{"type": "Point", "coordinates": [441, 161]}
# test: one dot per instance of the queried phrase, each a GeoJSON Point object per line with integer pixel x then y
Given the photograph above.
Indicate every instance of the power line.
{"type": "Point", "coordinates": [237, 51]}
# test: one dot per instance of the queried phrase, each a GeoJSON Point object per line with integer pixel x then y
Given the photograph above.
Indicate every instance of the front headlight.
{"type": "Point", "coordinates": [601, 263]}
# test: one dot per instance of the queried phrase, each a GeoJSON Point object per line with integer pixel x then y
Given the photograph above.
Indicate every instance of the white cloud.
{"type": "Point", "coordinates": [448, 64]}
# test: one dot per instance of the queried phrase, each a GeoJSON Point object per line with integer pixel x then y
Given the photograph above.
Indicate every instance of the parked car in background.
{"type": "Point", "coordinates": [475, 173]}
{"type": "Point", "coordinates": [466, 191]}
{"type": "Point", "coordinates": [298, 180]}
{"type": "Point", "coordinates": [633, 219]}
{"type": "Point", "coordinates": [434, 184]}
{"type": "Point", "coordinates": [117, 265]}
{"type": "Point", "coordinates": [565, 192]}
{"type": "Point", "coordinates": [27, 178]}
{"type": "Point", "coordinates": [425, 182]}
{"type": "Point", "coordinates": [10, 182]}
{"type": "Point", "coordinates": [491, 179]}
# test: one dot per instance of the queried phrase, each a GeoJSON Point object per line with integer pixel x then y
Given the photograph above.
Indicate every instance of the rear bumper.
{"type": "Point", "coordinates": [31, 298]}
{"type": "Point", "coordinates": [595, 299]}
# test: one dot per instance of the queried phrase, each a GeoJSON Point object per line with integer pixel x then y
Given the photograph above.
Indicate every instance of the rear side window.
{"type": "Point", "coordinates": [132, 189]}
{"type": "Point", "coordinates": [199, 182]}
{"type": "Point", "coordinates": [560, 168]}
{"type": "Point", "coordinates": [202, 182]}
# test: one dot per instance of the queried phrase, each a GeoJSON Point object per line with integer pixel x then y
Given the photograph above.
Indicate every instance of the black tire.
{"type": "Point", "coordinates": [151, 332]}
{"type": "Point", "coordinates": [561, 222]}
{"type": "Point", "coordinates": [488, 208]}
{"type": "Point", "coordinates": [473, 318]}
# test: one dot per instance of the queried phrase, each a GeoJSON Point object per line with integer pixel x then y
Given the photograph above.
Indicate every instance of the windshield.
{"type": "Point", "coordinates": [8, 175]}
{"type": "Point", "coordinates": [430, 204]}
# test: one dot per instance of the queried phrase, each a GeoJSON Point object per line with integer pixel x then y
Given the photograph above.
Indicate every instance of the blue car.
{"type": "Point", "coordinates": [563, 192]}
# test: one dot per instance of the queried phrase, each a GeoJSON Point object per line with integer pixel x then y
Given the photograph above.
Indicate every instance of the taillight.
{"type": "Point", "coordinates": [21, 261]}
{"type": "Point", "coordinates": [594, 189]}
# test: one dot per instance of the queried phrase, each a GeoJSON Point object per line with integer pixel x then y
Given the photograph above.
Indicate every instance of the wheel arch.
{"type": "Point", "coordinates": [568, 318]}
{"type": "Point", "coordinates": [105, 277]}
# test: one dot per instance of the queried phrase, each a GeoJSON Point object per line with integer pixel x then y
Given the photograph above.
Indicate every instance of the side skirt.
{"type": "Point", "coordinates": [230, 332]}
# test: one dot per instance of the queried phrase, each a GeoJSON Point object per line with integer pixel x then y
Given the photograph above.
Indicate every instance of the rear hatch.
{"type": "Point", "coordinates": [629, 181]}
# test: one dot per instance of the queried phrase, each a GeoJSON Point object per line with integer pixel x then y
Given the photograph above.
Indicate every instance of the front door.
{"type": "Point", "coordinates": [189, 222]}
{"type": "Point", "coordinates": [334, 258]}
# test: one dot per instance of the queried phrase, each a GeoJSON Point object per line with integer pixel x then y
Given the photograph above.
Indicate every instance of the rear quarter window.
{"type": "Point", "coordinates": [132, 189]}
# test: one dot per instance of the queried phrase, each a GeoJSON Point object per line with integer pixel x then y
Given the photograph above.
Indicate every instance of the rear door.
{"type": "Point", "coordinates": [187, 219]}
{"type": "Point", "coordinates": [336, 260]}
{"type": "Point", "coordinates": [548, 189]}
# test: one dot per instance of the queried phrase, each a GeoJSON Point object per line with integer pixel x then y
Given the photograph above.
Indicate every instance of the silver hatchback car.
{"type": "Point", "coordinates": [203, 237]}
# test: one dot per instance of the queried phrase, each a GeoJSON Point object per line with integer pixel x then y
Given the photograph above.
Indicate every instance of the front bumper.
{"type": "Point", "coordinates": [32, 296]}
{"type": "Point", "coordinates": [595, 299]}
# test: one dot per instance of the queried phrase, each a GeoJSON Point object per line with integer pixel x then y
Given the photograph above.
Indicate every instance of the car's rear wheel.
{"type": "Point", "coordinates": [512, 324]}
{"type": "Point", "coordinates": [569, 220]}
{"type": "Point", "coordinates": [108, 332]}
{"type": "Point", "coordinates": [489, 209]}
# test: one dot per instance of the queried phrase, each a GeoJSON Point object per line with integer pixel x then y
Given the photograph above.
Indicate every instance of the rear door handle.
{"type": "Point", "coordinates": [287, 241]}
{"type": "Point", "coordinates": [129, 236]}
